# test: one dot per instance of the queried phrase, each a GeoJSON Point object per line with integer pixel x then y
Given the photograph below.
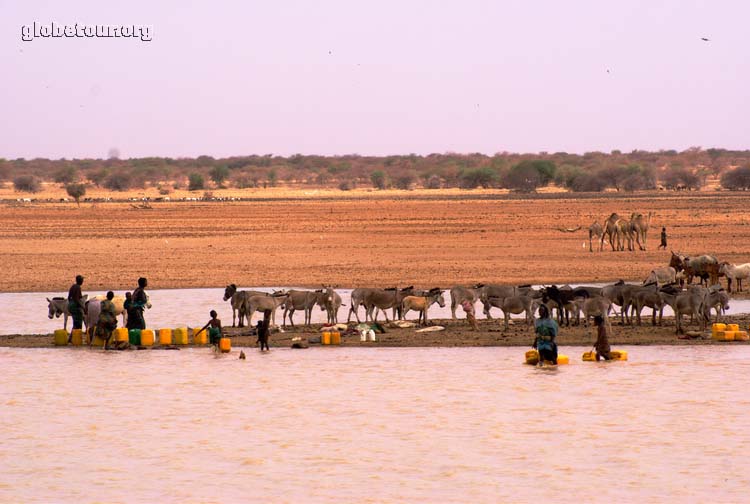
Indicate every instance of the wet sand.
{"type": "Point", "coordinates": [456, 333]}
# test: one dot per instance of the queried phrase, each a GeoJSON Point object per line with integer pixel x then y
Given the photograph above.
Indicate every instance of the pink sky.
{"type": "Point", "coordinates": [385, 77]}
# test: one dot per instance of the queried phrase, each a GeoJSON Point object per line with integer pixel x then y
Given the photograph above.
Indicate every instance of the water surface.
{"type": "Point", "coordinates": [373, 425]}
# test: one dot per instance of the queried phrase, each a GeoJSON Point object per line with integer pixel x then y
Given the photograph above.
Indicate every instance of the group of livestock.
{"type": "Point", "coordinates": [58, 307]}
{"type": "Point", "coordinates": [663, 287]}
{"type": "Point", "coordinates": [621, 232]}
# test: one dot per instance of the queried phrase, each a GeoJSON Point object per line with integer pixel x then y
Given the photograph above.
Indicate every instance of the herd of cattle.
{"type": "Point", "coordinates": [662, 287]}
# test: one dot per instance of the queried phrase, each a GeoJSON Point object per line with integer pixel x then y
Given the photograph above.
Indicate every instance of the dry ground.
{"type": "Point", "coordinates": [425, 238]}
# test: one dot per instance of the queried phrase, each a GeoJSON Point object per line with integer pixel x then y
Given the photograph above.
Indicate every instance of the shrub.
{"type": "Point", "coordinates": [119, 181]}
{"type": "Point", "coordinates": [27, 183]}
{"type": "Point", "coordinates": [345, 185]}
{"type": "Point", "coordinates": [195, 182]}
{"type": "Point", "coordinates": [737, 179]}
{"type": "Point", "coordinates": [273, 177]}
{"type": "Point", "coordinates": [76, 191]}
{"type": "Point", "coordinates": [379, 179]}
{"type": "Point", "coordinates": [587, 182]}
{"type": "Point", "coordinates": [208, 195]}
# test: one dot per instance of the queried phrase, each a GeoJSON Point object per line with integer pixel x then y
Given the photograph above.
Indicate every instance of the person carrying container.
{"type": "Point", "coordinates": [546, 330]}
{"type": "Point", "coordinates": [214, 329]}
{"type": "Point", "coordinates": [468, 307]}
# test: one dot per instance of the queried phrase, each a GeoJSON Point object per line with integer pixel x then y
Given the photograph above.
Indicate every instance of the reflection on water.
{"type": "Point", "coordinates": [375, 425]}
{"type": "Point", "coordinates": [26, 312]}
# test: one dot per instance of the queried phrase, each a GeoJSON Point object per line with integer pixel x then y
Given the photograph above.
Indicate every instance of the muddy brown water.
{"type": "Point", "coordinates": [373, 425]}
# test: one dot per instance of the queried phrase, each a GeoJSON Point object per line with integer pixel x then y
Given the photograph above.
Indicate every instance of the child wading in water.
{"type": "Point", "coordinates": [214, 329]}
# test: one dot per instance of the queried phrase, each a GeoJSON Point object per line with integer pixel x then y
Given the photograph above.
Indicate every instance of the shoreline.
{"type": "Point", "coordinates": [456, 334]}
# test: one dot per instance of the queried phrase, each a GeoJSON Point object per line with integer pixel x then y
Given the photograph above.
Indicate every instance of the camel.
{"type": "Point", "coordinates": [639, 227]}
{"type": "Point", "coordinates": [611, 230]}
{"type": "Point", "coordinates": [626, 234]}
{"type": "Point", "coordinates": [595, 232]}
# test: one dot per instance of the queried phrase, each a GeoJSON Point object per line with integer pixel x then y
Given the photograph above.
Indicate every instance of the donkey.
{"type": "Point", "coordinates": [422, 303]}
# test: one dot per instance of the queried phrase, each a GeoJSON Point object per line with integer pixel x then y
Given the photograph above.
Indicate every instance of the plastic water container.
{"type": "Point", "coordinates": [147, 337]}
{"type": "Point", "coordinates": [165, 336]}
{"type": "Point", "coordinates": [562, 359]}
{"type": "Point", "coordinates": [733, 327]}
{"type": "Point", "coordinates": [532, 357]}
{"type": "Point", "coordinates": [180, 336]}
{"type": "Point", "coordinates": [134, 337]}
{"type": "Point", "coordinates": [225, 345]}
{"type": "Point", "coordinates": [77, 337]}
{"type": "Point", "coordinates": [61, 337]}
{"type": "Point", "coordinates": [200, 338]}
{"type": "Point", "coordinates": [121, 334]}
{"type": "Point", "coordinates": [621, 355]}
{"type": "Point", "coordinates": [741, 336]}
{"type": "Point", "coordinates": [363, 336]}
{"type": "Point", "coordinates": [371, 335]}
{"type": "Point", "coordinates": [335, 338]}
{"type": "Point", "coordinates": [325, 338]}
{"type": "Point", "coordinates": [589, 356]}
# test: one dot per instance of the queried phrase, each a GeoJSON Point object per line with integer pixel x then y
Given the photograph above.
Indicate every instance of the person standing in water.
{"type": "Point", "coordinates": [214, 329]}
{"type": "Point", "coordinates": [107, 320]}
{"type": "Point", "coordinates": [75, 305]}
{"type": "Point", "coordinates": [602, 339]}
{"type": "Point", "coordinates": [546, 331]}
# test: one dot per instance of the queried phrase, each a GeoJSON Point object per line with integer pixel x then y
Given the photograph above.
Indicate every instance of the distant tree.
{"type": "Point", "coordinates": [737, 179]}
{"type": "Point", "coordinates": [76, 191]}
{"type": "Point", "coordinates": [4, 169]}
{"type": "Point", "coordinates": [433, 182]}
{"type": "Point", "coordinates": [485, 177]}
{"type": "Point", "coordinates": [523, 177]}
{"type": "Point", "coordinates": [637, 178]}
{"type": "Point", "coordinates": [27, 183]}
{"type": "Point", "coordinates": [273, 177]}
{"type": "Point", "coordinates": [195, 182]}
{"type": "Point", "coordinates": [118, 181]}
{"type": "Point", "coordinates": [345, 185]}
{"type": "Point", "coordinates": [587, 181]}
{"type": "Point", "coordinates": [98, 176]}
{"type": "Point", "coordinates": [678, 177]}
{"type": "Point", "coordinates": [66, 175]}
{"type": "Point", "coordinates": [405, 180]}
{"type": "Point", "coordinates": [219, 174]}
{"type": "Point", "coordinates": [379, 179]}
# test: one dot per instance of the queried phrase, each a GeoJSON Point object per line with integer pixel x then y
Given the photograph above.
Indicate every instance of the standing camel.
{"type": "Point", "coordinates": [595, 233]}
{"type": "Point", "coordinates": [611, 231]}
{"type": "Point", "coordinates": [640, 225]}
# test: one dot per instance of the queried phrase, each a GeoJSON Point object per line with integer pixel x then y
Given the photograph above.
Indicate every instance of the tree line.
{"type": "Point", "coordinates": [588, 172]}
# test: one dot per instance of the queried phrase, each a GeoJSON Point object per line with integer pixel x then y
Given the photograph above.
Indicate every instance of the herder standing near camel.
{"type": "Point", "coordinates": [75, 305]}
{"type": "Point", "coordinates": [663, 243]}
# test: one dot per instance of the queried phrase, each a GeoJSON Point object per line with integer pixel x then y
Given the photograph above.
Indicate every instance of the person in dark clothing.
{"type": "Point", "coordinates": [75, 305]}
{"type": "Point", "coordinates": [663, 243]}
{"type": "Point", "coordinates": [602, 339]}
{"type": "Point", "coordinates": [214, 328]}
{"type": "Point", "coordinates": [263, 331]}
{"type": "Point", "coordinates": [107, 320]}
{"type": "Point", "coordinates": [140, 299]}
{"type": "Point", "coordinates": [546, 331]}
{"type": "Point", "coordinates": [131, 311]}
